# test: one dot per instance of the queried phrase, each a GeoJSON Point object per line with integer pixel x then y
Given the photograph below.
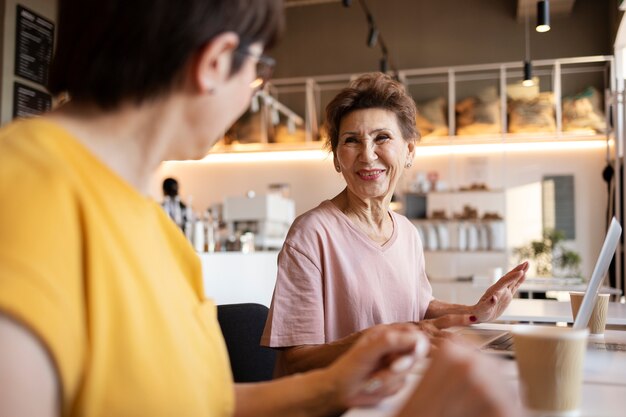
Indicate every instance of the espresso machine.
{"type": "Point", "coordinates": [267, 216]}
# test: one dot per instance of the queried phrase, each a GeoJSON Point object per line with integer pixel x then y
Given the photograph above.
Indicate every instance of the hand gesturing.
{"type": "Point", "coordinates": [499, 295]}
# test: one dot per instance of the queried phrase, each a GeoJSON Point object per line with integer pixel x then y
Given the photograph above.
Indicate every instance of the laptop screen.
{"type": "Point", "coordinates": [599, 272]}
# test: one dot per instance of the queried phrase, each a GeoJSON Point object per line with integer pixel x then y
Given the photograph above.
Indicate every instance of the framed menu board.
{"type": "Point", "coordinates": [34, 38]}
{"type": "Point", "coordinates": [28, 101]}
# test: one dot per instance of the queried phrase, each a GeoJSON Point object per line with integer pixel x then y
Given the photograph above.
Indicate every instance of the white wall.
{"type": "Point", "coordinates": [208, 183]}
{"type": "Point", "coordinates": [313, 181]}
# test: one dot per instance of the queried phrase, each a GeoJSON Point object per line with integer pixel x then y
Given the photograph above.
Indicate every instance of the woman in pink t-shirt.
{"type": "Point", "coordinates": [351, 263]}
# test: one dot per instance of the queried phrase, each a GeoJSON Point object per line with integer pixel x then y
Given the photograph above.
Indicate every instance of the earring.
{"type": "Point", "coordinates": [409, 164]}
{"type": "Point", "coordinates": [337, 168]}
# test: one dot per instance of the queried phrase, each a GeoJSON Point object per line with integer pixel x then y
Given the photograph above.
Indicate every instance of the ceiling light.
{"type": "Point", "coordinates": [543, 16]}
{"type": "Point", "coordinates": [528, 75]}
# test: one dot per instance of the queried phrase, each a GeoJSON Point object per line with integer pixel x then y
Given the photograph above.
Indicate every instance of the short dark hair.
{"type": "Point", "coordinates": [113, 50]}
{"type": "Point", "coordinates": [373, 90]}
{"type": "Point", "coordinates": [170, 187]}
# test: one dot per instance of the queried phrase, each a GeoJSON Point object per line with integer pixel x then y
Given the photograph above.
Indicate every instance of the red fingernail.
{"type": "Point", "coordinates": [473, 318]}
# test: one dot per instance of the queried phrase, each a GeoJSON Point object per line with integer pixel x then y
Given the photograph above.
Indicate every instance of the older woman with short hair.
{"type": "Point", "coordinates": [351, 263]}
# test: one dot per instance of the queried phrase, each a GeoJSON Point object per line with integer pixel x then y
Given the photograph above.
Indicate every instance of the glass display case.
{"type": "Point", "coordinates": [570, 100]}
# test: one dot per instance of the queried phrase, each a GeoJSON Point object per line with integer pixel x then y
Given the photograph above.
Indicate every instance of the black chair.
{"type": "Point", "coordinates": [242, 326]}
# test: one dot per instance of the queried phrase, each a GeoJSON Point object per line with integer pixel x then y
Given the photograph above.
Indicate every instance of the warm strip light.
{"type": "Point", "coordinates": [484, 148]}
{"type": "Point", "coordinates": [275, 156]}
{"type": "Point", "coordinates": [430, 150]}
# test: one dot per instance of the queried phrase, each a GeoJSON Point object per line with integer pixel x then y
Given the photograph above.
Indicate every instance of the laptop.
{"type": "Point", "coordinates": [500, 341]}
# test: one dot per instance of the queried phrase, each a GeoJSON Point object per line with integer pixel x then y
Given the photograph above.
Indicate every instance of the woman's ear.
{"type": "Point", "coordinates": [411, 152]}
{"type": "Point", "coordinates": [213, 63]}
{"type": "Point", "coordinates": [336, 164]}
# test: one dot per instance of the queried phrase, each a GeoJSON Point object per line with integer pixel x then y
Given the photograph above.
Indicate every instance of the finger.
{"type": "Point", "coordinates": [400, 363]}
{"type": "Point", "coordinates": [383, 341]}
{"type": "Point", "coordinates": [377, 389]}
{"type": "Point", "coordinates": [510, 279]}
{"type": "Point", "coordinates": [521, 267]}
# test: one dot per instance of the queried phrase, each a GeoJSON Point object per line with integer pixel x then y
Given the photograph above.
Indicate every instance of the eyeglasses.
{"type": "Point", "coordinates": [264, 68]}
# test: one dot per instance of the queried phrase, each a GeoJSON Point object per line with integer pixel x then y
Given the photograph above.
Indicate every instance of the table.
{"type": "Point", "coordinates": [549, 311]}
{"type": "Point", "coordinates": [603, 391]}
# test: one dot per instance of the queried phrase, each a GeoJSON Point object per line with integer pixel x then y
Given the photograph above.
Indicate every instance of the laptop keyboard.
{"type": "Point", "coordinates": [504, 343]}
{"type": "Point", "coordinates": [608, 346]}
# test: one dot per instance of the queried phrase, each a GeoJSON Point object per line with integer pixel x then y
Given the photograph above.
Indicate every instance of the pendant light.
{"type": "Point", "coordinates": [372, 36]}
{"type": "Point", "coordinates": [528, 69]}
{"type": "Point", "coordinates": [543, 16]}
{"type": "Point", "coordinates": [528, 75]}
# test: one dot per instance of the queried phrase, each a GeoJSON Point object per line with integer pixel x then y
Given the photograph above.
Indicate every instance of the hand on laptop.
{"type": "Point", "coordinates": [435, 327]}
{"type": "Point", "coordinates": [377, 365]}
{"type": "Point", "coordinates": [461, 383]}
{"type": "Point", "coordinates": [499, 295]}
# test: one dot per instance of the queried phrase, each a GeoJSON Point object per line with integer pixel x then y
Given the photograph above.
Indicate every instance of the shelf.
{"type": "Point", "coordinates": [491, 191]}
{"type": "Point", "coordinates": [465, 252]}
{"type": "Point", "coordinates": [449, 142]}
{"type": "Point", "coordinates": [267, 147]}
{"type": "Point", "coordinates": [511, 138]}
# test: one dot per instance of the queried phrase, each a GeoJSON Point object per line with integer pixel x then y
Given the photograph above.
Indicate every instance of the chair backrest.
{"type": "Point", "coordinates": [242, 326]}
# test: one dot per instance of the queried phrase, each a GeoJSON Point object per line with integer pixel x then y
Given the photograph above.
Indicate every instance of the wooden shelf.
{"type": "Point", "coordinates": [426, 142]}
{"type": "Point", "coordinates": [465, 252]}
{"type": "Point", "coordinates": [510, 138]}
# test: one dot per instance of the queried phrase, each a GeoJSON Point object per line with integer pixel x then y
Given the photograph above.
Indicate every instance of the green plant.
{"type": "Point", "coordinates": [549, 252]}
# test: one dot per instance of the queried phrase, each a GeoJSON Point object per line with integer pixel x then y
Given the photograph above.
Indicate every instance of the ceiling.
{"type": "Point", "coordinates": [557, 7]}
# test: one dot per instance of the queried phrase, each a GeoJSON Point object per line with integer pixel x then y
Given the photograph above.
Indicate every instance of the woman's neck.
{"type": "Point", "coordinates": [131, 140]}
{"type": "Point", "coordinates": [371, 215]}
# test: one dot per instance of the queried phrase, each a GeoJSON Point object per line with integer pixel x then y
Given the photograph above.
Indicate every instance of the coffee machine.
{"type": "Point", "coordinates": [268, 216]}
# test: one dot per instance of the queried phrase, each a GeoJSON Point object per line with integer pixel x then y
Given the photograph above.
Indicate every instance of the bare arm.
{"type": "Point", "coordinates": [307, 357]}
{"type": "Point", "coordinates": [30, 385]}
{"type": "Point", "coordinates": [363, 376]}
{"type": "Point", "coordinates": [491, 305]}
{"type": "Point", "coordinates": [438, 309]}
{"type": "Point", "coordinates": [461, 382]}
{"type": "Point", "coordinates": [298, 395]}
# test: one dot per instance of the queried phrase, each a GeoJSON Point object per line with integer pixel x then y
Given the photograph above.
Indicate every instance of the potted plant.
{"type": "Point", "coordinates": [550, 256]}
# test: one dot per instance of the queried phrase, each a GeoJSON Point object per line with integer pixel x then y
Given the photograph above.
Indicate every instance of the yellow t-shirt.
{"type": "Point", "coordinates": [107, 282]}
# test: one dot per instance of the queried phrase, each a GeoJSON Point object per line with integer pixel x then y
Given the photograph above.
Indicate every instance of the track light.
{"type": "Point", "coordinates": [372, 37]}
{"type": "Point", "coordinates": [384, 65]}
{"type": "Point", "coordinates": [528, 75]}
{"type": "Point", "coordinates": [543, 16]}
{"type": "Point", "coordinates": [346, 3]}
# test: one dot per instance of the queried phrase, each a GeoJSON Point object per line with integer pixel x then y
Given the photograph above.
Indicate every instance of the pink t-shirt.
{"type": "Point", "coordinates": [333, 280]}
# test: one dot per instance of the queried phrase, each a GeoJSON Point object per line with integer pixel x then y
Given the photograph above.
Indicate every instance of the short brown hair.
{"type": "Point", "coordinates": [114, 50]}
{"type": "Point", "coordinates": [373, 90]}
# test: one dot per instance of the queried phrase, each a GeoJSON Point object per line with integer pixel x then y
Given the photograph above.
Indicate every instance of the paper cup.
{"type": "Point", "coordinates": [597, 321]}
{"type": "Point", "coordinates": [550, 365]}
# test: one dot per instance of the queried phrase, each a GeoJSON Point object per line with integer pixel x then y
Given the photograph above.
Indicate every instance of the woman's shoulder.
{"type": "Point", "coordinates": [314, 224]}
{"type": "Point", "coordinates": [318, 217]}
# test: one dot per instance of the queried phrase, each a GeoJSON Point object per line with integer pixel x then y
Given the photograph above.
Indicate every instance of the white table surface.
{"type": "Point", "coordinates": [603, 392]}
{"type": "Point", "coordinates": [550, 311]}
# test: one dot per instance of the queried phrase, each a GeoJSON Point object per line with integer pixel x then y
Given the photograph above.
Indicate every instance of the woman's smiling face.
{"type": "Point", "coordinates": [371, 152]}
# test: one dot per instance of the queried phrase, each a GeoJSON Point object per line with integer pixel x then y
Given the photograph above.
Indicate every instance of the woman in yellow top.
{"type": "Point", "coordinates": [101, 301]}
